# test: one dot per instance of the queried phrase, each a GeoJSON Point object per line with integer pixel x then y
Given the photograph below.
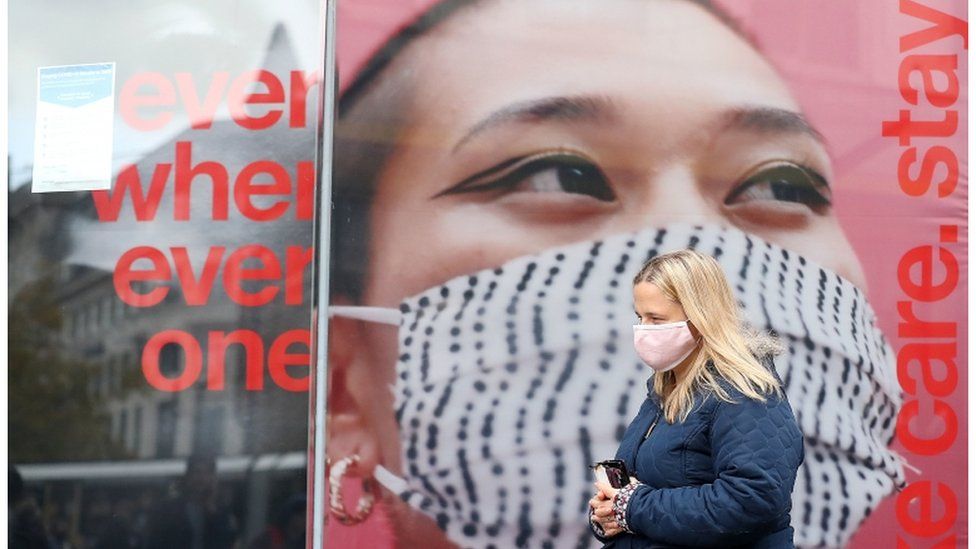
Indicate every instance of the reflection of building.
{"type": "Point", "coordinates": [58, 236]}
{"type": "Point", "coordinates": [149, 423]}
{"type": "Point", "coordinates": [260, 434]}
{"type": "Point", "coordinates": [55, 241]}
{"type": "Point", "coordinates": [99, 328]}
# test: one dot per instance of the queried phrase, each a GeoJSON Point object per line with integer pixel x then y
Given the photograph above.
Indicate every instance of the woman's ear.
{"type": "Point", "coordinates": [349, 428]}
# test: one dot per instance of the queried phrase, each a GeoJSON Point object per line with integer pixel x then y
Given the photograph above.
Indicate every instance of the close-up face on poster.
{"type": "Point", "coordinates": [488, 273]}
{"type": "Point", "coordinates": [502, 170]}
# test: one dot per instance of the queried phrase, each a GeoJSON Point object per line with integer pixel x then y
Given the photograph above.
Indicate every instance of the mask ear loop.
{"type": "Point", "coordinates": [380, 315]}
{"type": "Point", "coordinates": [390, 481]}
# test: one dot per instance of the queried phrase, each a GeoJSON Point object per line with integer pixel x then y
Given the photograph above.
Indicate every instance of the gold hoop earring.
{"type": "Point", "coordinates": [336, 503]}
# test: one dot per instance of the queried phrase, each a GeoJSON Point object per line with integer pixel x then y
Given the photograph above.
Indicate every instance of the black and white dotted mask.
{"type": "Point", "coordinates": [511, 381]}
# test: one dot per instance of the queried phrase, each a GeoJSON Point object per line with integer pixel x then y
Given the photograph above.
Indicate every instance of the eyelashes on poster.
{"type": "Point", "coordinates": [503, 169]}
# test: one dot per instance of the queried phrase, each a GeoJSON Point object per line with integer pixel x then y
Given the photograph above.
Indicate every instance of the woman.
{"type": "Point", "coordinates": [499, 166]}
{"type": "Point", "coordinates": [715, 447]}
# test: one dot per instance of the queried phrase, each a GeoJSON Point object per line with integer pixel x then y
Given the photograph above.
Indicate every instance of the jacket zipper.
{"type": "Point", "coordinates": [651, 428]}
{"type": "Point", "coordinates": [647, 434]}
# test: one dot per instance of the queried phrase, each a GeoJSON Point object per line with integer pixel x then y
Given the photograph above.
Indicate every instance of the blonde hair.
{"type": "Point", "coordinates": [697, 283]}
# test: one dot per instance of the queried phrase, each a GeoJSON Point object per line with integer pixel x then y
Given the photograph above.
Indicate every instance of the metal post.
{"type": "Point", "coordinates": [320, 314]}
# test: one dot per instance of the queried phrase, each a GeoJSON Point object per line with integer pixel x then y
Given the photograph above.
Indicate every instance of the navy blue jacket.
{"type": "Point", "coordinates": [723, 477]}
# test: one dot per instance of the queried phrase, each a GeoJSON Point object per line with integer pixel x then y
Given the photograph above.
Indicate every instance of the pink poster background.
{"type": "Point", "coordinates": [841, 60]}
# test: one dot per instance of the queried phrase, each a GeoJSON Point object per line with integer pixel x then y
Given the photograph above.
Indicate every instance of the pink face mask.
{"type": "Point", "coordinates": [663, 346]}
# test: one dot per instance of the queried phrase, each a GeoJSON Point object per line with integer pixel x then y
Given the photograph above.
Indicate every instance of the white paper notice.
{"type": "Point", "coordinates": [73, 128]}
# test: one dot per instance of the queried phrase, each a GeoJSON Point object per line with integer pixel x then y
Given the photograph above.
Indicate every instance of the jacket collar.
{"type": "Point", "coordinates": [653, 396]}
{"type": "Point", "coordinates": [651, 393]}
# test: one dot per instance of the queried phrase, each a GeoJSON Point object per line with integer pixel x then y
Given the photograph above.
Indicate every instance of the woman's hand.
{"type": "Point", "coordinates": [602, 505]}
{"type": "Point", "coordinates": [605, 491]}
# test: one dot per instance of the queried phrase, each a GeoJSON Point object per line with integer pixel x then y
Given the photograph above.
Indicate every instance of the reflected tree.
{"type": "Point", "coordinates": [53, 415]}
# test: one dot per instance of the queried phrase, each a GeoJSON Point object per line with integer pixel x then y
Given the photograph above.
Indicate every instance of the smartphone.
{"type": "Point", "coordinates": [613, 472]}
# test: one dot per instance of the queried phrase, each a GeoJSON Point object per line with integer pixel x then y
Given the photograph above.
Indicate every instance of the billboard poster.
{"type": "Point", "coordinates": [500, 172]}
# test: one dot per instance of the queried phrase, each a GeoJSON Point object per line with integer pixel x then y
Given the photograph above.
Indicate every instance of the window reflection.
{"type": "Point", "coordinates": [99, 450]}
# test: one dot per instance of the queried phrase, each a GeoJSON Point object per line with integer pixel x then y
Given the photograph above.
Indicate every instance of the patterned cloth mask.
{"type": "Point", "coordinates": [512, 381]}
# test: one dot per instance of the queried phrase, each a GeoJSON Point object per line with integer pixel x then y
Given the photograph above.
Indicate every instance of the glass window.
{"type": "Point", "coordinates": [123, 427]}
{"type": "Point", "coordinates": [137, 430]}
{"type": "Point", "coordinates": [166, 429]}
{"type": "Point", "coordinates": [214, 120]}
